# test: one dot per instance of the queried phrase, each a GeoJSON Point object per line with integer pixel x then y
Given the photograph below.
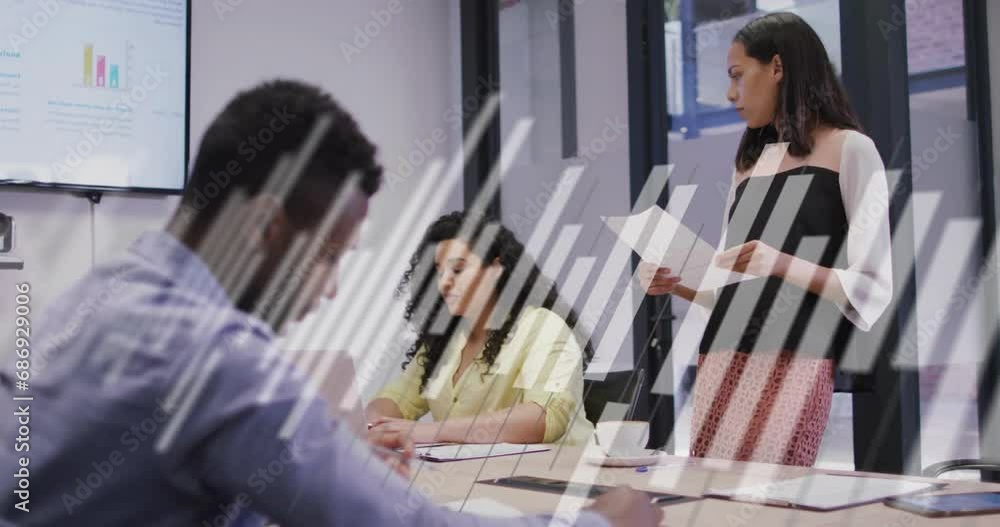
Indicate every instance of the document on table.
{"type": "Point", "coordinates": [672, 244]}
{"type": "Point", "coordinates": [468, 451]}
{"type": "Point", "coordinates": [484, 507]}
{"type": "Point", "coordinates": [823, 492]}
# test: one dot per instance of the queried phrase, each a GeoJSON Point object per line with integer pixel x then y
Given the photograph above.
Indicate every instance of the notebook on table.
{"type": "Point", "coordinates": [823, 492]}
{"type": "Point", "coordinates": [459, 452]}
{"type": "Point", "coordinates": [484, 507]}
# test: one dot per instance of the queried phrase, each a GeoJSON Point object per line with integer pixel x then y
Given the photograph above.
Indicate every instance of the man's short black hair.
{"type": "Point", "coordinates": [244, 143]}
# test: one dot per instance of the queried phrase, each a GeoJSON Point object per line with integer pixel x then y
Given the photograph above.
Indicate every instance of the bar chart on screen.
{"type": "Point", "coordinates": [95, 92]}
{"type": "Point", "coordinates": [107, 66]}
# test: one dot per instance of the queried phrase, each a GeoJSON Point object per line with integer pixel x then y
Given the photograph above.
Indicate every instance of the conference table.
{"type": "Point", "coordinates": [455, 481]}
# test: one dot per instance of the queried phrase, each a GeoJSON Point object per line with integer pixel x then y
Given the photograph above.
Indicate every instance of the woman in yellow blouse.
{"type": "Point", "coordinates": [497, 358]}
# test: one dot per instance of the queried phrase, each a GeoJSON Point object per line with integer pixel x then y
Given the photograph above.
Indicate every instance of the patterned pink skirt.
{"type": "Point", "coordinates": [764, 407]}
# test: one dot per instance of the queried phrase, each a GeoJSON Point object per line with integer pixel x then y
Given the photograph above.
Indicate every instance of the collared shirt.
{"type": "Point", "coordinates": [148, 410]}
{"type": "Point", "coordinates": [539, 363]}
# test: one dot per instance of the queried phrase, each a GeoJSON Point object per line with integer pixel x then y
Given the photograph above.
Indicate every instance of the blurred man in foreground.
{"type": "Point", "coordinates": [153, 376]}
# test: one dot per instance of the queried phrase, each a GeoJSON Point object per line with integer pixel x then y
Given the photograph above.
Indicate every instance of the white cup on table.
{"type": "Point", "coordinates": [622, 438]}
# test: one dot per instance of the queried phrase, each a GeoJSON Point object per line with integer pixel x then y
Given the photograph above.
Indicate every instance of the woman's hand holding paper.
{"type": "Point", "coordinates": [755, 258]}
{"type": "Point", "coordinates": [657, 281]}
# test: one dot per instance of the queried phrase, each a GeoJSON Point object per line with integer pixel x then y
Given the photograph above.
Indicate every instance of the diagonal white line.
{"type": "Point", "coordinates": [308, 260]}
{"type": "Point", "coordinates": [508, 153]}
{"type": "Point", "coordinates": [573, 285]}
{"type": "Point", "coordinates": [618, 259]}
{"type": "Point", "coordinates": [399, 242]}
{"type": "Point", "coordinates": [956, 248]}
{"type": "Point", "coordinates": [620, 325]}
{"type": "Point", "coordinates": [219, 236]}
{"type": "Point", "coordinates": [862, 350]}
{"type": "Point", "coordinates": [309, 354]}
{"type": "Point", "coordinates": [777, 228]}
{"type": "Point", "coordinates": [460, 160]}
{"type": "Point", "coordinates": [970, 300]}
{"type": "Point", "coordinates": [177, 419]}
{"type": "Point", "coordinates": [553, 263]}
{"type": "Point", "coordinates": [543, 230]}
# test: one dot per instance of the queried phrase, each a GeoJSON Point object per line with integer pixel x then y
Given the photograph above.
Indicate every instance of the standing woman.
{"type": "Point", "coordinates": [812, 226]}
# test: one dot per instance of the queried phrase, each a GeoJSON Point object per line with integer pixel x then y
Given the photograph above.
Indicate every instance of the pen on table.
{"type": "Point", "coordinates": [647, 468]}
{"type": "Point", "coordinates": [397, 454]}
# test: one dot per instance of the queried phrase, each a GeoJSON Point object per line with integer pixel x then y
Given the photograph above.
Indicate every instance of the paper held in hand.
{"type": "Point", "coordinates": [661, 239]}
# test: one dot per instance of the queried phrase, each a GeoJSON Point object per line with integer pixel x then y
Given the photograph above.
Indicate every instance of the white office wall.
{"type": "Point", "coordinates": [398, 84]}
{"type": "Point", "coordinates": [530, 53]}
{"type": "Point", "coordinates": [398, 87]}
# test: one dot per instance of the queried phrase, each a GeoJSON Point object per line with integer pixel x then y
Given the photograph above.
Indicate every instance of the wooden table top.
{"type": "Point", "coordinates": [446, 482]}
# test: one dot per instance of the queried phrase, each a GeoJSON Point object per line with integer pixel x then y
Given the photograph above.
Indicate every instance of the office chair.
{"type": "Point", "coordinates": [989, 469]}
{"type": "Point", "coordinates": [853, 382]}
{"type": "Point", "coordinates": [597, 394]}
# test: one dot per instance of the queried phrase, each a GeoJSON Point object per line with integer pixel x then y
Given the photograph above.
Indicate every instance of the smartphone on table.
{"type": "Point", "coordinates": [946, 505]}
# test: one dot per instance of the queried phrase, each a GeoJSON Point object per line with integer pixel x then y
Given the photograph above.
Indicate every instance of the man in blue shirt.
{"type": "Point", "coordinates": [147, 376]}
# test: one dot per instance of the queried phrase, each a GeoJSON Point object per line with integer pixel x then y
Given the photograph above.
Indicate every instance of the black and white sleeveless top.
{"type": "Point", "coordinates": [838, 220]}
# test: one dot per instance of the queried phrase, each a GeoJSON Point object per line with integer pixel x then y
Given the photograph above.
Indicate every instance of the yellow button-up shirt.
{"type": "Point", "coordinates": [541, 362]}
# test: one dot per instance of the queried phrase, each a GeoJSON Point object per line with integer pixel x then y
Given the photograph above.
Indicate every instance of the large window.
{"type": "Point", "coordinates": [697, 39]}
{"type": "Point", "coordinates": [951, 319]}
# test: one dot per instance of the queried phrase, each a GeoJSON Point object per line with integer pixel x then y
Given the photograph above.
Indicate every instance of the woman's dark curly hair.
{"type": "Point", "coordinates": [426, 306]}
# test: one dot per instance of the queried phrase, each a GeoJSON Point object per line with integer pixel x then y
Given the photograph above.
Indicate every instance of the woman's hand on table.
{"type": "Point", "coordinates": [625, 506]}
{"type": "Point", "coordinates": [388, 441]}
{"type": "Point", "coordinates": [416, 432]}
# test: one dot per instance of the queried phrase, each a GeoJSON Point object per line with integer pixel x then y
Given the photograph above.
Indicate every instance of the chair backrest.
{"type": "Point", "coordinates": [853, 382]}
{"type": "Point", "coordinates": [989, 469]}
{"type": "Point", "coordinates": [597, 394]}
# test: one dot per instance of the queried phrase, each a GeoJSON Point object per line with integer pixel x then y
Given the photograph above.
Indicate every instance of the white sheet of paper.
{"type": "Point", "coordinates": [474, 451]}
{"type": "Point", "coordinates": [485, 507]}
{"type": "Point", "coordinates": [672, 244]}
{"type": "Point", "coordinates": [824, 491]}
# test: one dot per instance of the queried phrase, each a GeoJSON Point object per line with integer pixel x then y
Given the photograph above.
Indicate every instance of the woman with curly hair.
{"type": "Point", "coordinates": [496, 358]}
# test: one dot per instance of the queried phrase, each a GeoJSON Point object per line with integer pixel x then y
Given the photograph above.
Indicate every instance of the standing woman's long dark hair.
{"type": "Point", "coordinates": [810, 93]}
{"type": "Point", "coordinates": [422, 311]}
